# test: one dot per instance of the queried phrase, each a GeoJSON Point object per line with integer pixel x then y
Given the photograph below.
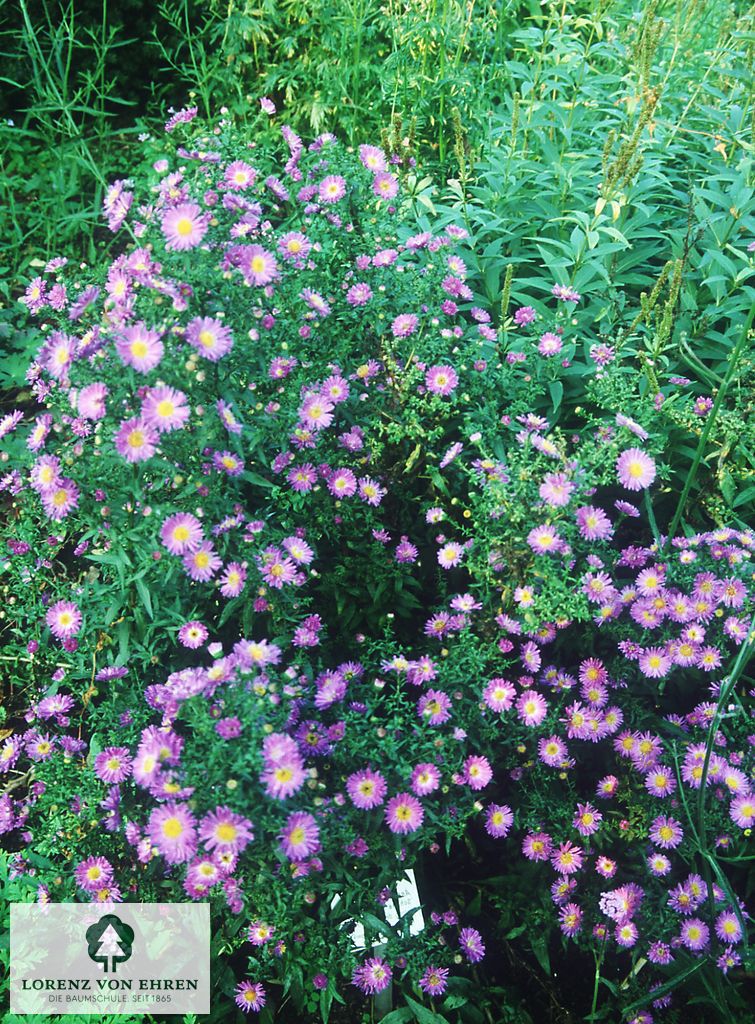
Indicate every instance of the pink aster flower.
{"type": "Point", "coordinates": [370, 491]}
{"type": "Point", "coordinates": [593, 523]}
{"type": "Point", "coordinates": [499, 694]}
{"type": "Point", "coordinates": [626, 934]}
{"type": "Point", "coordinates": [587, 819]}
{"type": "Point", "coordinates": [660, 781]}
{"type": "Point", "coordinates": [742, 810]}
{"type": "Point", "coordinates": [404, 814]}
{"type": "Point", "coordinates": [294, 247]}
{"type": "Point", "coordinates": [567, 859]}
{"type": "Point", "coordinates": [655, 663]}
{"type": "Point", "coordinates": [250, 995]}
{"type": "Point", "coordinates": [228, 463]}
{"type": "Point", "coordinates": [385, 185]}
{"type": "Point", "coordinates": [728, 928]}
{"type": "Point", "coordinates": [259, 266]}
{"type": "Point", "coordinates": [140, 347]}
{"type": "Point", "coordinates": [342, 484]}
{"type": "Point", "coordinates": [556, 489]}
{"type": "Point", "coordinates": [316, 412]}
{"type": "Point", "coordinates": [61, 499]}
{"type": "Point", "coordinates": [63, 619]}
{"type": "Point", "coordinates": [472, 945]}
{"type": "Point", "coordinates": [260, 932]}
{"type": "Point", "coordinates": [544, 540]}
{"type": "Point", "coordinates": [184, 226]}
{"type": "Point", "coordinates": [404, 325]}
{"type": "Point", "coordinates": [498, 820]}
{"type": "Point", "coordinates": [570, 919]}
{"type": "Point", "coordinates": [113, 765]}
{"type": "Point", "coordinates": [477, 772]}
{"type": "Point", "coordinates": [552, 751]}
{"type": "Point", "coordinates": [373, 976]}
{"type": "Point", "coordinates": [192, 634]}
{"type": "Point", "coordinates": [537, 846]}
{"type": "Point", "coordinates": [93, 873]}
{"type": "Point", "coordinates": [210, 337]}
{"type": "Point", "coordinates": [434, 981]}
{"type": "Point", "coordinates": [531, 708]}
{"type": "Point", "coordinates": [136, 440]}
{"type": "Point", "coordinates": [165, 409]}
{"type": "Point", "coordinates": [450, 555]}
{"type": "Point", "coordinates": [373, 158]}
{"type": "Point", "coordinates": [300, 836]}
{"type": "Point", "coordinates": [433, 707]}
{"type": "Point", "coordinates": [635, 469]}
{"type": "Point", "coordinates": [277, 572]}
{"type": "Point", "coordinates": [171, 828]}
{"type": "Point", "coordinates": [239, 175]}
{"type": "Point", "coordinates": [666, 832]}
{"type": "Point", "coordinates": [359, 294]}
{"type": "Point", "coordinates": [222, 829]}
{"type": "Point", "coordinates": [332, 189]}
{"type": "Point", "coordinates": [366, 789]}
{"type": "Point", "coordinates": [90, 401]}
{"type": "Point", "coordinates": [202, 563]}
{"type": "Point", "coordinates": [550, 344]}
{"type": "Point", "coordinates": [441, 380]}
{"type": "Point", "coordinates": [425, 779]}
{"type": "Point", "coordinates": [181, 533]}
{"type": "Point", "coordinates": [658, 864]}
{"type": "Point", "coordinates": [694, 934]}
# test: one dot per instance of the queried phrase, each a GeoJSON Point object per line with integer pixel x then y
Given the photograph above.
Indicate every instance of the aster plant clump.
{"type": "Point", "coordinates": [310, 588]}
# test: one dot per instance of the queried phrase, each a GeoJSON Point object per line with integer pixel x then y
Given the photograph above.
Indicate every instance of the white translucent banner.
{"type": "Point", "coordinates": [74, 958]}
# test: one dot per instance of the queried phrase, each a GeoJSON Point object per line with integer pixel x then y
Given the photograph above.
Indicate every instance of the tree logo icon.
{"type": "Point", "coordinates": [109, 942]}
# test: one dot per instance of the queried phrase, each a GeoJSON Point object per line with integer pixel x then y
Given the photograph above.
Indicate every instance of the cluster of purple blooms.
{"type": "Point", "coordinates": [477, 746]}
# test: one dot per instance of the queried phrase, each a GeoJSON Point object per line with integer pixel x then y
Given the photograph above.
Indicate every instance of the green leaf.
{"type": "Point", "coordinates": [326, 1001]}
{"type": "Point", "coordinates": [540, 949]}
{"type": "Point", "coordinates": [145, 596]}
{"type": "Point", "coordinates": [422, 1014]}
{"type": "Point", "coordinates": [666, 987]}
{"type": "Point", "coordinates": [556, 389]}
{"type": "Point", "coordinates": [397, 1016]}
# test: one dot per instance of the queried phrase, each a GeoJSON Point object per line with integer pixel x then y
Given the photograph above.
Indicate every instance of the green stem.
{"type": "Point", "coordinates": [709, 424]}
{"type": "Point", "coordinates": [596, 986]}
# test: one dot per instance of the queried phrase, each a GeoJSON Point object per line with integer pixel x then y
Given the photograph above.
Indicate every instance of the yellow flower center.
{"type": "Point", "coordinates": [184, 227]}
{"type": "Point", "coordinates": [206, 339]}
{"type": "Point", "coordinates": [172, 828]}
{"type": "Point", "coordinates": [165, 408]}
{"type": "Point", "coordinates": [226, 832]}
